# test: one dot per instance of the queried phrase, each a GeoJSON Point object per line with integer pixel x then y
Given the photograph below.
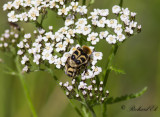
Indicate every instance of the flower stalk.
{"type": "Point", "coordinates": [107, 72]}
{"type": "Point", "coordinates": [104, 110]}
{"type": "Point", "coordinates": [109, 63]}
{"type": "Point", "coordinates": [91, 110]}
{"type": "Point", "coordinates": [84, 2]}
{"type": "Point", "coordinates": [21, 77]}
{"type": "Point", "coordinates": [86, 114]}
{"type": "Point", "coordinates": [121, 3]}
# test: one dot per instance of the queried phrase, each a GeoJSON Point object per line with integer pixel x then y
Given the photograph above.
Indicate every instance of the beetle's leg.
{"type": "Point", "coordinates": [67, 60]}
{"type": "Point", "coordinates": [85, 68]}
{"type": "Point", "coordinates": [75, 72]}
{"type": "Point", "coordinates": [78, 71]}
{"type": "Point", "coordinates": [78, 48]}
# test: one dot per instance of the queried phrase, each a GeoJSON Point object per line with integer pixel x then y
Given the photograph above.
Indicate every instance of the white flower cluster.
{"type": "Point", "coordinates": [122, 27]}
{"type": "Point", "coordinates": [56, 47]}
{"type": "Point", "coordinates": [92, 91]}
{"type": "Point", "coordinates": [44, 48]}
{"type": "Point", "coordinates": [30, 10]}
{"type": "Point", "coordinates": [9, 39]}
{"type": "Point", "coordinates": [53, 48]}
{"type": "Point", "coordinates": [115, 30]}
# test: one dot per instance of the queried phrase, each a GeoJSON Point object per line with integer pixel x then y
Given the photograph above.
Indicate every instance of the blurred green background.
{"type": "Point", "coordinates": [139, 57]}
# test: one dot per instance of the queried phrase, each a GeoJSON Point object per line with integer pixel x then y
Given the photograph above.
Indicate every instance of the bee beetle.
{"type": "Point", "coordinates": [78, 61]}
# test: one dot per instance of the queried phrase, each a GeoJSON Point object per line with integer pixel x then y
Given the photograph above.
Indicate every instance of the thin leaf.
{"type": "Point", "coordinates": [119, 71]}
{"type": "Point", "coordinates": [90, 3]}
{"type": "Point", "coordinates": [126, 97]}
{"type": "Point", "coordinates": [10, 73]}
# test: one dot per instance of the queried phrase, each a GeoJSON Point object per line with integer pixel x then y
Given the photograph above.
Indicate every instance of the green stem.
{"type": "Point", "coordinates": [72, 104]}
{"type": "Point", "coordinates": [104, 111]}
{"type": "Point", "coordinates": [86, 109]}
{"type": "Point", "coordinates": [109, 63]}
{"type": "Point", "coordinates": [25, 88]}
{"type": "Point", "coordinates": [107, 72]}
{"type": "Point", "coordinates": [84, 2]}
{"type": "Point", "coordinates": [42, 19]}
{"type": "Point", "coordinates": [90, 109]}
{"type": "Point", "coordinates": [76, 109]}
{"type": "Point", "coordinates": [53, 75]}
{"type": "Point", "coordinates": [121, 3]}
{"type": "Point", "coordinates": [86, 114]}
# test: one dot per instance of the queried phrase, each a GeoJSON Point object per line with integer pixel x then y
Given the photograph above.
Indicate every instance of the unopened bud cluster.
{"type": "Point", "coordinates": [85, 90]}
{"type": "Point", "coordinates": [9, 39]}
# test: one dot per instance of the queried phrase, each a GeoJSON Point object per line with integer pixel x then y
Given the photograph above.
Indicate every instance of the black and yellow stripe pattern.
{"type": "Point", "coordinates": [79, 57]}
{"type": "Point", "coordinates": [70, 71]}
{"type": "Point", "coordinates": [77, 61]}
